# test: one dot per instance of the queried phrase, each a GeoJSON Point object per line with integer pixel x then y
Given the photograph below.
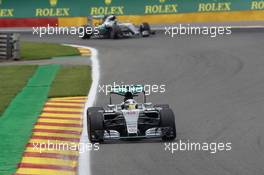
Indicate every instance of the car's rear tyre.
{"type": "Point", "coordinates": [95, 124]}
{"type": "Point", "coordinates": [145, 29]}
{"type": "Point", "coordinates": [167, 124]}
{"type": "Point", "coordinates": [161, 106]}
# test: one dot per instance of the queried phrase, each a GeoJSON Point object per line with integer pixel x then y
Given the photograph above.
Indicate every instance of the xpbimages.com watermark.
{"type": "Point", "coordinates": [62, 146]}
{"type": "Point", "coordinates": [187, 29]}
{"type": "Point", "coordinates": [213, 147]}
{"type": "Point", "coordinates": [115, 87]}
{"type": "Point", "coordinates": [55, 30]}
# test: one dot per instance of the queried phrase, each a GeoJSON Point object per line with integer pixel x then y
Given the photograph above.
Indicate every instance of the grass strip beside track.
{"type": "Point", "coordinates": [37, 51]}
{"type": "Point", "coordinates": [13, 79]}
{"type": "Point", "coordinates": [71, 81]}
{"type": "Point", "coordinates": [18, 119]}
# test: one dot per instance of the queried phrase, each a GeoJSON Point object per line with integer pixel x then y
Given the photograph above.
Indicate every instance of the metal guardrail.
{"type": "Point", "coordinates": [9, 46]}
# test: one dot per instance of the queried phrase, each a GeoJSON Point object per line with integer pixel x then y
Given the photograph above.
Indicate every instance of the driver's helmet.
{"type": "Point", "coordinates": [130, 104]}
{"type": "Point", "coordinates": [111, 18]}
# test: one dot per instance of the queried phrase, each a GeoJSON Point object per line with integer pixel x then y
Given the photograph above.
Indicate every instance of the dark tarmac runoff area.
{"type": "Point", "coordinates": [215, 87]}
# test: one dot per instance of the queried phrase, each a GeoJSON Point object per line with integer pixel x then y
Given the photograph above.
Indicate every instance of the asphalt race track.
{"type": "Point", "coordinates": [215, 87]}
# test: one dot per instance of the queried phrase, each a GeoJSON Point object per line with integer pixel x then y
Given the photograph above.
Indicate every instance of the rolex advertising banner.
{"type": "Point", "coordinates": [72, 8]}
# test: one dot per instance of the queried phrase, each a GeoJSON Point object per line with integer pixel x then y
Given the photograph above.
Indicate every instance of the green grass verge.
{"type": "Point", "coordinates": [13, 79]}
{"type": "Point", "coordinates": [20, 116]}
{"type": "Point", "coordinates": [37, 51]}
{"type": "Point", "coordinates": [71, 81]}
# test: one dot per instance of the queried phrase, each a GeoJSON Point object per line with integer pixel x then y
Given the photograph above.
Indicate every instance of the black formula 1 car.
{"type": "Point", "coordinates": [110, 28]}
{"type": "Point", "coordinates": [130, 120]}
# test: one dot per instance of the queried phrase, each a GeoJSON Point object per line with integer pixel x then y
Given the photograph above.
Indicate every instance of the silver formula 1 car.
{"type": "Point", "coordinates": [109, 27]}
{"type": "Point", "coordinates": [129, 119]}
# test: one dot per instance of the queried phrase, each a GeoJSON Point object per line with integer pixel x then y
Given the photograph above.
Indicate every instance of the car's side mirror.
{"type": "Point", "coordinates": [149, 104]}
{"type": "Point", "coordinates": [111, 106]}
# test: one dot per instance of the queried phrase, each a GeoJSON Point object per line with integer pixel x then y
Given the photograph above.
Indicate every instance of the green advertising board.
{"type": "Point", "coordinates": [70, 8]}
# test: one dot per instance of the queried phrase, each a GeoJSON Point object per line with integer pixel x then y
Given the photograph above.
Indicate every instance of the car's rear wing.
{"type": "Point", "coordinates": [132, 90]}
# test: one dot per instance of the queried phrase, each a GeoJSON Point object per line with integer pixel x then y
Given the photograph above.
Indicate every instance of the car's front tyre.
{"type": "Point", "coordinates": [84, 32]}
{"type": "Point", "coordinates": [95, 124]}
{"type": "Point", "coordinates": [167, 124]}
{"type": "Point", "coordinates": [115, 32]}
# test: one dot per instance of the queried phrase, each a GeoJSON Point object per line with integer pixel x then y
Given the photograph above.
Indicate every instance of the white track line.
{"type": "Point", "coordinates": [84, 157]}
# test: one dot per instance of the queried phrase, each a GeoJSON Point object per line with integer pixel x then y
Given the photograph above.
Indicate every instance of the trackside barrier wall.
{"type": "Point", "coordinates": [9, 46]}
{"type": "Point", "coordinates": [64, 10]}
